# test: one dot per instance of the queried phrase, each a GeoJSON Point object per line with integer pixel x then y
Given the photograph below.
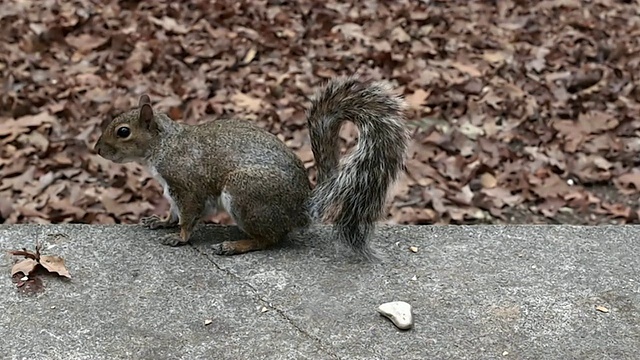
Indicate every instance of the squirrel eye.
{"type": "Point", "coordinates": [123, 132]}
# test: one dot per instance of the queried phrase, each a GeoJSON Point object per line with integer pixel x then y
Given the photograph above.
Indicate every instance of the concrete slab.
{"type": "Point", "coordinates": [478, 292]}
{"type": "Point", "coordinates": [130, 298]}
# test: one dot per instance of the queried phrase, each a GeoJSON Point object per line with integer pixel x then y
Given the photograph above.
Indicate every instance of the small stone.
{"type": "Point", "coordinates": [413, 249]}
{"type": "Point", "coordinates": [414, 278]}
{"type": "Point", "coordinates": [208, 322]}
{"type": "Point", "coordinates": [602, 309]}
{"type": "Point", "coordinates": [399, 312]}
{"type": "Point", "coordinates": [53, 306]}
{"type": "Point", "coordinates": [505, 353]}
{"type": "Point", "coordinates": [264, 309]}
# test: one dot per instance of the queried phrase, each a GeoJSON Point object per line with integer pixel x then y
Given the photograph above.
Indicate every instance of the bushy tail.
{"type": "Point", "coordinates": [352, 195]}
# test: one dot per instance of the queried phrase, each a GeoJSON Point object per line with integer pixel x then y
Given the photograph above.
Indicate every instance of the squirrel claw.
{"type": "Point", "coordinates": [155, 222]}
{"type": "Point", "coordinates": [171, 240]}
{"type": "Point", "coordinates": [220, 249]}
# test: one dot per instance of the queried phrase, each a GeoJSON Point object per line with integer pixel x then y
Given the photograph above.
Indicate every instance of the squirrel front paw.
{"type": "Point", "coordinates": [172, 240]}
{"type": "Point", "coordinates": [156, 222]}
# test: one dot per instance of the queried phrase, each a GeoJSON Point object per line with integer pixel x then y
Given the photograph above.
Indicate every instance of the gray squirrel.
{"type": "Point", "coordinates": [258, 180]}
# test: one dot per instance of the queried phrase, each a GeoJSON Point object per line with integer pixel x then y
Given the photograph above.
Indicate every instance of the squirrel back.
{"type": "Point", "coordinates": [352, 194]}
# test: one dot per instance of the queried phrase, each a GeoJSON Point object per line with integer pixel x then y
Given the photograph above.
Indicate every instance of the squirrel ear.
{"type": "Point", "coordinates": [144, 99]}
{"type": "Point", "coordinates": [146, 116]}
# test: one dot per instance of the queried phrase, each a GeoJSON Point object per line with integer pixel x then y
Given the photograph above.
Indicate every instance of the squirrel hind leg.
{"type": "Point", "coordinates": [265, 206]}
{"type": "Point", "coordinates": [237, 247]}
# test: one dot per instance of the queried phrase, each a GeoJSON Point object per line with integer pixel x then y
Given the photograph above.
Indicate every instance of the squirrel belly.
{"type": "Point", "coordinates": [260, 181]}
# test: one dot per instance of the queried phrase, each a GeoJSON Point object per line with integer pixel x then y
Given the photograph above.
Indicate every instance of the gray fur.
{"type": "Point", "coordinates": [261, 182]}
{"type": "Point", "coordinates": [353, 194]}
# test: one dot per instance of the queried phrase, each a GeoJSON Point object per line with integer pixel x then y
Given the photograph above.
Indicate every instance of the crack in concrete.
{"type": "Point", "coordinates": [321, 345]}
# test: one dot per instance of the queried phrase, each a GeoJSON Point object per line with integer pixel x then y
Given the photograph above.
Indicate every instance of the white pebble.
{"type": "Point", "coordinates": [399, 312]}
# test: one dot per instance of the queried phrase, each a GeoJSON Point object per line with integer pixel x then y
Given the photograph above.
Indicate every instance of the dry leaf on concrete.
{"type": "Point", "coordinates": [33, 259]}
{"type": "Point", "coordinates": [25, 266]}
{"type": "Point", "coordinates": [55, 264]}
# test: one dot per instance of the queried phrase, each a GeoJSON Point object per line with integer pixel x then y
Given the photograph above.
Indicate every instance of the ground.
{"type": "Point", "coordinates": [520, 113]}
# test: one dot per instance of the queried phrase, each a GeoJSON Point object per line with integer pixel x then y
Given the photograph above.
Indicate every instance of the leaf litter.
{"type": "Point", "coordinates": [518, 114]}
{"type": "Point", "coordinates": [25, 271]}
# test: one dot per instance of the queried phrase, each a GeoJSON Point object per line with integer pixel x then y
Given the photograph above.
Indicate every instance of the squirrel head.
{"type": "Point", "coordinates": [129, 135]}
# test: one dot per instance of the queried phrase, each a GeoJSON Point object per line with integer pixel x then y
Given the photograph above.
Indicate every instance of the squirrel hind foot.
{"type": "Point", "coordinates": [238, 247]}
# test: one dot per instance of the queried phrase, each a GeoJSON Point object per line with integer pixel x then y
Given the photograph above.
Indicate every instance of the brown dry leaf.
{"type": "Point", "coordinates": [551, 186]}
{"type": "Point", "coordinates": [54, 264]}
{"type": "Point", "coordinates": [247, 102]}
{"type": "Point", "coordinates": [488, 181]}
{"type": "Point", "coordinates": [352, 31]}
{"type": "Point", "coordinates": [6, 207]}
{"type": "Point", "coordinates": [249, 56]}
{"type": "Point", "coordinates": [551, 206]}
{"type": "Point", "coordinates": [502, 196]}
{"type": "Point", "coordinates": [398, 34]}
{"type": "Point", "coordinates": [169, 24]}
{"type": "Point", "coordinates": [617, 210]}
{"type": "Point", "coordinates": [417, 99]}
{"type": "Point", "coordinates": [10, 127]}
{"type": "Point", "coordinates": [468, 69]}
{"type": "Point", "coordinates": [25, 266]}
{"type": "Point", "coordinates": [595, 122]}
{"type": "Point", "coordinates": [629, 183]}
{"type": "Point", "coordinates": [561, 101]}
{"type": "Point", "coordinates": [140, 57]}
{"type": "Point", "coordinates": [584, 79]}
{"type": "Point", "coordinates": [85, 42]}
{"type": "Point", "coordinates": [495, 57]}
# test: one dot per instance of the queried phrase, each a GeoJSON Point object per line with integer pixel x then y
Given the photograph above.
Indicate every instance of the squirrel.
{"type": "Point", "coordinates": [258, 180]}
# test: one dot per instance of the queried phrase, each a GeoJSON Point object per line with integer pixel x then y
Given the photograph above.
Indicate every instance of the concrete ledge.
{"type": "Point", "coordinates": [480, 292]}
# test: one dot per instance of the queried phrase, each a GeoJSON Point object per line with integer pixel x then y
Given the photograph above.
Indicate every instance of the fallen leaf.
{"type": "Point", "coordinates": [85, 42]}
{"type": "Point", "coordinates": [471, 131]}
{"type": "Point", "coordinates": [6, 208]}
{"type": "Point", "coordinates": [169, 24]}
{"type": "Point", "coordinates": [488, 181]}
{"type": "Point", "coordinates": [51, 263]}
{"type": "Point", "coordinates": [528, 96]}
{"type": "Point", "coordinates": [584, 79]}
{"type": "Point", "coordinates": [24, 123]}
{"type": "Point", "coordinates": [495, 57]}
{"type": "Point", "coordinates": [25, 266]}
{"type": "Point", "coordinates": [398, 34]}
{"type": "Point", "coordinates": [352, 31]}
{"type": "Point", "coordinates": [417, 99]}
{"type": "Point", "coordinates": [247, 102]}
{"type": "Point", "coordinates": [629, 182]}
{"type": "Point", "coordinates": [54, 264]}
{"type": "Point", "coordinates": [468, 69]}
{"type": "Point", "coordinates": [249, 56]}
